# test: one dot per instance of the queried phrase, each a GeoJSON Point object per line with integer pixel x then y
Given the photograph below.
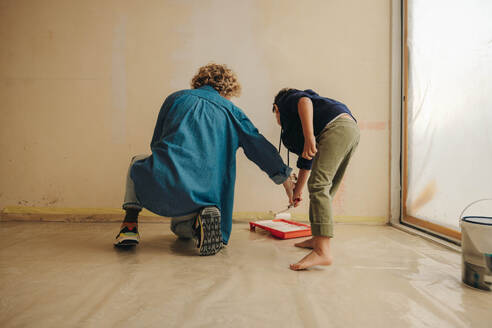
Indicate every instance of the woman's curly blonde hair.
{"type": "Point", "coordinates": [219, 77]}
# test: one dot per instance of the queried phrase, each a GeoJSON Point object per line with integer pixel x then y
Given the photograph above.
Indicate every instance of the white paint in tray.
{"type": "Point", "coordinates": [280, 225]}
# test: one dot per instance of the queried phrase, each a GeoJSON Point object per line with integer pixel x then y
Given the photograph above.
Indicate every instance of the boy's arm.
{"type": "Point", "coordinates": [301, 182]}
{"type": "Point", "coordinates": [305, 110]}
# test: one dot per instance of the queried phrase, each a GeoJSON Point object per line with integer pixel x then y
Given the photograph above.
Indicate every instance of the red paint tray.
{"type": "Point", "coordinates": [283, 229]}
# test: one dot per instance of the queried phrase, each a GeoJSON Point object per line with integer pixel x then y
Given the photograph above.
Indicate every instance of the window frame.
{"type": "Point", "coordinates": [406, 219]}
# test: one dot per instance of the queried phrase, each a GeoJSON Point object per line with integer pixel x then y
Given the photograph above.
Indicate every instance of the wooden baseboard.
{"type": "Point", "coordinates": [81, 215]}
{"type": "Point", "coordinates": [52, 214]}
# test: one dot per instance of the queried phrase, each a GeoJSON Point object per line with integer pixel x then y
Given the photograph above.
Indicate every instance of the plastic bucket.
{"type": "Point", "coordinates": [476, 246]}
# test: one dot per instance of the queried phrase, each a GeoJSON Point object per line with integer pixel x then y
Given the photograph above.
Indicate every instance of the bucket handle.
{"type": "Point", "coordinates": [472, 203]}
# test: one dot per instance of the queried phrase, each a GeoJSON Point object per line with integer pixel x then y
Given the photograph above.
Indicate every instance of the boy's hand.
{"type": "Point", "coordinates": [310, 149]}
{"type": "Point", "coordinates": [297, 195]}
{"type": "Point", "coordinates": [300, 183]}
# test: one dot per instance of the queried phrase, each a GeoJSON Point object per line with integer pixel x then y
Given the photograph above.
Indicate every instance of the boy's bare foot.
{"type": "Point", "coordinates": [308, 243]}
{"type": "Point", "coordinates": [320, 255]}
{"type": "Point", "coordinates": [312, 259]}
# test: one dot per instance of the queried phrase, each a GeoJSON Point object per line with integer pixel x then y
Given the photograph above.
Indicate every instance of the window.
{"type": "Point", "coordinates": [447, 128]}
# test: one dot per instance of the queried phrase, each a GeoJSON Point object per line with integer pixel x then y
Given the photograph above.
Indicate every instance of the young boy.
{"type": "Point", "coordinates": [324, 133]}
{"type": "Point", "coordinates": [191, 173]}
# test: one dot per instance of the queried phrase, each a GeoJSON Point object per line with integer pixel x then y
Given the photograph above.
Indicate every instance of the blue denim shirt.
{"type": "Point", "coordinates": [193, 161]}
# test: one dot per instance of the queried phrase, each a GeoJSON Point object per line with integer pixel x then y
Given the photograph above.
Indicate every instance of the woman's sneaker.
{"type": "Point", "coordinates": [128, 235]}
{"type": "Point", "coordinates": [207, 231]}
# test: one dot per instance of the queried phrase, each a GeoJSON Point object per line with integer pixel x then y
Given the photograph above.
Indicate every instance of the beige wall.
{"type": "Point", "coordinates": [81, 83]}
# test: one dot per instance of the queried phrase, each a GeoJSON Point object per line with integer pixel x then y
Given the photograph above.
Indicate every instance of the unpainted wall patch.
{"type": "Point", "coordinates": [373, 125]}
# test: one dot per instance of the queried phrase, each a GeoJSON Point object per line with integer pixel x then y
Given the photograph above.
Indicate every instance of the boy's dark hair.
{"type": "Point", "coordinates": [280, 95]}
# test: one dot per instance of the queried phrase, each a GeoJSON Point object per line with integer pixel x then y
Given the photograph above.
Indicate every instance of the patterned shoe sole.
{"type": "Point", "coordinates": [210, 233]}
{"type": "Point", "coordinates": [124, 241]}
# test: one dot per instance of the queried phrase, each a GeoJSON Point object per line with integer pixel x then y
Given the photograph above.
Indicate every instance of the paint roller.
{"type": "Point", "coordinates": [283, 214]}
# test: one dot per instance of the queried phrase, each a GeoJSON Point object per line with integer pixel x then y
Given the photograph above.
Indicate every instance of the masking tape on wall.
{"type": "Point", "coordinates": [56, 214]}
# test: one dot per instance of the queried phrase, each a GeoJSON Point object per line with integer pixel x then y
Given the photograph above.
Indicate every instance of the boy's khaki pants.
{"type": "Point", "coordinates": [336, 144]}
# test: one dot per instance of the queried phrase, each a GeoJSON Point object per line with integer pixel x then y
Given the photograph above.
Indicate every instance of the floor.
{"type": "Point", "coordinates": [69, 275]}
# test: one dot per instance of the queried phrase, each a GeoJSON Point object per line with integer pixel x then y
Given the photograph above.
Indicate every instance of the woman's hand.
{"type": "Point", "coordinates": [289, 190]}
{"type": "Point", "coordinates": [310, 149]}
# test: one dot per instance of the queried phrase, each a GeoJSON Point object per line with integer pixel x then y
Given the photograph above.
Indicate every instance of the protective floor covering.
{"type": "Point", "coordinates": [69, 275]}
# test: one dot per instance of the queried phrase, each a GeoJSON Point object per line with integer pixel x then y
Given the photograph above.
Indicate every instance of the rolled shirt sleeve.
{"type": "Point", "coordinates": [305, 164]}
